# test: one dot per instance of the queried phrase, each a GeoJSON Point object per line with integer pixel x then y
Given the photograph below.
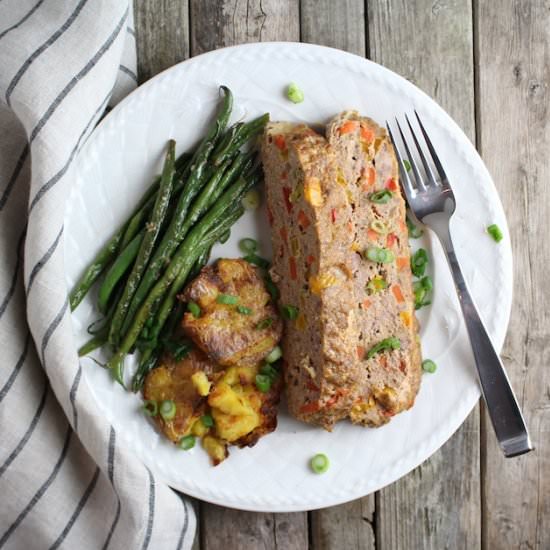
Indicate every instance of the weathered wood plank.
{"type": "Point", "coordinates": [215, 24]}
{"type": "Point", "coordinates": [219, 23]}
{"type": "Point", "coordinates": [335, 24]}
{"type": "Point", "coordinates": [339, 25]}
{"type": "Point", "coordinates": [514, 105]}
{"type": "Point", "coordinates": [430, 43]}
{"type": "Point", "coordinates": [162, 34]}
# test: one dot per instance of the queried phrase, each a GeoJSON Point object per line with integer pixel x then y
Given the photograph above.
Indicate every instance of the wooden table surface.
{"type": "Point", "coordinates": [488, 64]}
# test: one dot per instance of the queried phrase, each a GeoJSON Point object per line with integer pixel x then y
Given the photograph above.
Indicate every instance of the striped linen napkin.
{"type": "Point", "coordinates": [65, 481]}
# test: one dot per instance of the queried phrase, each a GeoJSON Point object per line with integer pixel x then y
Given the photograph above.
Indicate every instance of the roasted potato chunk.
{"type": "Point", "coordinates": [228, 332]}
{"type": "Point", "coordinates": [173, 380]}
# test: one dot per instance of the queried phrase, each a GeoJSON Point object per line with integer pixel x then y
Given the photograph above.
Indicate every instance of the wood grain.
{"type": "Point", "coordinates": [215, 24]}
{"type": "Point", "coordinates": [162, 35]}
{"type": "Point", "coordinates": [339, 25]}
{"type": "Point", "coordinates": [513, 40]}
{"type": "Point", "coordinates": [437, 505]}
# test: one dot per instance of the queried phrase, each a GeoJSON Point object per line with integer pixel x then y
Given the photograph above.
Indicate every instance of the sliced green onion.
{"type": "Point", "coordinates": [294, 93]}
{"type": "Point", "coordinates": [414, 231]}
{"type": "Point", "coordinates": [207, 420]}
{"type": "Point", "coordinates": [251, 200]}
{"type": "Point", "coordinates": [387, 344]}
{"type": "Point", "coordinates": [495, 232]}
{"type": "Point", "coordinates": [227, 299]}
{"type": "Point", "coordinates": [178, 349]}
{"type": "Point", "coordinates": [248, 245]}
{"type": "Point", "coordinates": [427, 283]}
{"type": "Point", "coordinates": [150, 408]}
{"type": "Point", "coordinates": [257, 260]}
{"type": "Point", "coordinates": [167, 409]}
{"type": "Point", "coordinates": [429, 366]}
{"type": "Point", "coordinates": [419, 260]}
{"type": "Point", "coordinates": [319, 463]}
{"type": "Point", "coordinates": [264, 323]}
{"type": "Point", "coordinates": [381, 197]}
{"type": "Point", "coordinates": [379, 255]}
{"type": "Point", "coordinates": [194, 309]}
{"type": "Point", "coordinates": [225, 236]}
{"type": "Point", "coordinates": [271, 287]}
{"type": "Point", "coordinates": [376, 284]}
{"type": "Point", "coordinates": [187, 442]}
{"type": "Point", "coordinates": [263, 382]}
{"type": "Point", "coordinates": [380, 227]}
{"type": "Point", "coordinates": [275, 354]}
{"type": "Point", "coordinates": [407, 165]}
{"type": "Point", "coordinates": [290, 312]}
{"type": "Point", "coordinates": [243, 310]}
{"type": "Point", "coordinates": [269, 370]}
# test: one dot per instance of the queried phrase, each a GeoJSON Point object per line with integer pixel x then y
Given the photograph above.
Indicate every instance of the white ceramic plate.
{"type": "Point", "coordinates": [125, 152]}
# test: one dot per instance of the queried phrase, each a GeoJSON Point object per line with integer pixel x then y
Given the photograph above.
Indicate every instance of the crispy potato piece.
{"type": "Point", "coordinates": [228, 336]}
{"type": "Point", "coordinates": [172, 380]}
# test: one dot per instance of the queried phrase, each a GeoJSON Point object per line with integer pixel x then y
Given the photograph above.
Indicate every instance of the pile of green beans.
{"type": "Point", "coordinates": [167, 240]}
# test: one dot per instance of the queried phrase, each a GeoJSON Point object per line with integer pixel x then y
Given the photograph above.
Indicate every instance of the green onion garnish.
{"type": "Point", "coordinates": [207, 420]}
{"type": "Point", "coordinates": [407, 165]}
{"type": "Point", "coordinates": [419, 261]}
{"type": "Point", "coordinates": [243, 310]}
{"type": "Point", "coordinates": [290, 312]}
{"type": "Point", "coordinates": [429, 366]}
{"type": "Point", "coordinates": [414, 231]}
{"type": "Point", "coordinates": [150, 408]}
{"type": "Point", "coordinates": [167, 409]}
{"type": "Point", "coordinates": [380, 227]}
{"type": "Point", "coordinates": [248, 245]}
{"type": "Point", "coordinates": [264, 323]}
{"type": "Point", "coordinates": [381, 197]}
{"type": "Point", "coordinates": [319, 463]}
{"type": "Point", "coordinates": [269, 370]}
{"type": "Point", "coordinates": [387, 344]}
{"type": "Point", "coordinates": [227, 299]}
{"type": "Point", "coordinates": [376, 284]}
{"type": "Point", "coordinates": [251, 199]}
{"type": "Point", "coordinates": [187, 442]}
{"type": "Point", "coordinates": [379, 255]}
{"type": "Point", "coordinates": [495, 232]}
{"type": "Point", "coordinates": [194, 309]}
{"type": "Point", "coordinates": [421, 289]}
{"type": "Point", "coordinates": [275, 354]}
{"type": "Point", "coordinates": [263, 382]}
{"type": "Point", "coordinates": [294, 93]}
{"type": "Point", "coordinates": [256, 260]}
{"type": "Point", "coordinates": [271, 287]}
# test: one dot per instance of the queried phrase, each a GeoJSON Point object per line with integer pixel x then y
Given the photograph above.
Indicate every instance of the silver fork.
{"type": "Point", "coordinates": [432, 201]}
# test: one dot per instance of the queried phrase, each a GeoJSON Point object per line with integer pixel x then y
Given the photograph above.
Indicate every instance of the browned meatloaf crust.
{"type": "Point", "coordinates": [390, 380]}
{"type": "Point", "coordinates": [311, 233]}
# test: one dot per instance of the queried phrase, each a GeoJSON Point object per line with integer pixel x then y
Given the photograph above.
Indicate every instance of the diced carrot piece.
{"type": "Point", "coordinates": [383, 360]}
{"type": "Point", "coordinates": [310, 259]}
{"type": "Point", "coordinates": [281, 251]}
{"type": "Point", "coordinates": [360, 352]}
{"type": "Point", "coordinates": [391, 239]}
{"type": "Point", "coordinates": [366, 304]}
{"type": "Point", "coordinates": [350, 226]}
{"type": "Point", "coordinates": [371, 176]}
{"type": "Point", "coordinates": [303, 220]}
{"type": "Point", "coordinates": [372, 235]}
{"type": "Point", "coordinates": [293, 270]}
{"type": "Point", "coordinates": [367, 134]}
{"type": "Point", "coordinates": [280, 142]}
{"type": "Point", "coordinates": [310, 407]}
{"type": "Point", "coordinates": [402, 263]}
{"type": "Point", "coordinates": [269, 216]}
{"type": "Point", "coordinates": [348, 127]}
{"type": "Point", "coordinates": [284, 234]}
{"type": "Point", "coordinates": [396, 289]}
{"type": "Point", "coordinates": [333, 215]}
{"type": "Point", "coordinates": [286, 194]}
{"type": "Point", "coordinates": [391, 185]}
{"type": "Point", "coordinates": [402, 226]}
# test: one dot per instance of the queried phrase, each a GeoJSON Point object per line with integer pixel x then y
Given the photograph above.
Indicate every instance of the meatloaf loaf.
{"type": "Point", "coordinates": [384, 303]}
{"type": "Point", "coordinates": [312, 232]}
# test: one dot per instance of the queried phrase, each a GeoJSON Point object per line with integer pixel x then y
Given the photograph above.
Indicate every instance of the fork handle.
{"type": "Point", "coordinates": [502, 405]}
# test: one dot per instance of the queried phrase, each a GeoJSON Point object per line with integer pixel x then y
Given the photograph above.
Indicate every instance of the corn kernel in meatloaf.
{"type": "Point", "coordinates": [311, 235]}
{"type": "Point", "coordinates": [390, 380]}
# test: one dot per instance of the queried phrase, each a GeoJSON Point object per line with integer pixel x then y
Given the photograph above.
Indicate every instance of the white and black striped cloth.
{"type": "Point", "coordinates": [64, 480]}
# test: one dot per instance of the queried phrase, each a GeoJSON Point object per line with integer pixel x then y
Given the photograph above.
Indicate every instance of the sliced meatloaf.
{"type": "Point", "coordinates": [312, 233]}
{"type": "Point", "coordinates": [384, 303]}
